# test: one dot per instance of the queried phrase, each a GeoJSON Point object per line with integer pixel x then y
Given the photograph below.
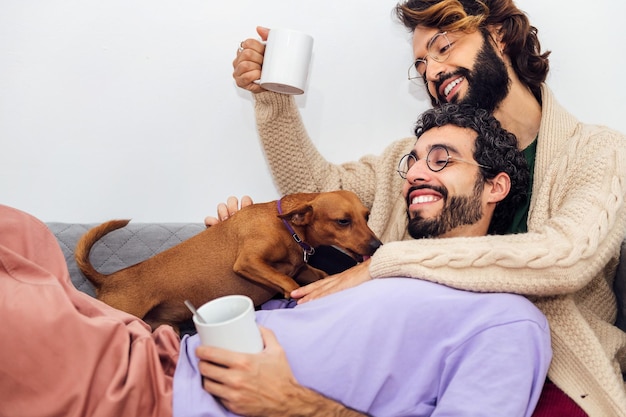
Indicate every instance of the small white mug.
{"type": "Point", "coordinates": [286, 61]}
{"type": "Point", "coordinates": [230, 324]}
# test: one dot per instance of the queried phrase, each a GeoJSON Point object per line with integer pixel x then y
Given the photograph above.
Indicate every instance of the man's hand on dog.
{"type": "Point", "coordinates": [347, 279]}
{"type": "Point", "coordinates": [225, 210]}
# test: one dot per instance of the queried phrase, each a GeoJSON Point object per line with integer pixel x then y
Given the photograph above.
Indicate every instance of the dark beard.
{"type": "Point", "coordinates": [457, 211]}
{"type": "Point", "coordinates": [488, 83]}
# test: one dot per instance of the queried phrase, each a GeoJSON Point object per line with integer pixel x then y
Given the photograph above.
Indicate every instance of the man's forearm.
{"type": "Point", "coordinates": [308, 403]}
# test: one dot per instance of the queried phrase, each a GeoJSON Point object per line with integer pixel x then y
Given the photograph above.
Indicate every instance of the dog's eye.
{"type": "Point", "coordinates": [344, 222]}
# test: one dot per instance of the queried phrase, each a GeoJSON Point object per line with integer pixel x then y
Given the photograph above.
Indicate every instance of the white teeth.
{"type": "Point", "coordinates": [450, 86]}
{"type": "Point", "coordinates": [424, 199]}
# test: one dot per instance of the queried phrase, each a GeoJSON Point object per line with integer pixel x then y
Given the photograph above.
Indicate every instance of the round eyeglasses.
{"type": "Point", "coordinates": [437, 159]}
{"type": "Point", "coordinates": [438, 49]}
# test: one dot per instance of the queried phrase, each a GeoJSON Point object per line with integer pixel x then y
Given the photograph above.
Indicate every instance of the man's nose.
{"type": "Point", "coordinates": [434, 70]}
{"type": "Point", "coordinates": [418, 172]}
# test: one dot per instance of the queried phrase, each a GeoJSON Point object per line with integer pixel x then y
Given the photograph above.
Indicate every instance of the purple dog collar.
{"type": "Point", "coordinates": [306, 248]}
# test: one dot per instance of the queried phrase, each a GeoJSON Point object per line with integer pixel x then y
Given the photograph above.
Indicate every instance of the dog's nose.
{"type": "Point", "coordinates": [374, 244]}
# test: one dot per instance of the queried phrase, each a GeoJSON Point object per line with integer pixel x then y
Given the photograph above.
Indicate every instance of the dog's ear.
{"type": "Point", "coordinates": [300, 216]}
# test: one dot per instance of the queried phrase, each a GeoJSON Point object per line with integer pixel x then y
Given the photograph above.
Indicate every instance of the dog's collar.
{"type": "Point", "coordinates": [306, 248]}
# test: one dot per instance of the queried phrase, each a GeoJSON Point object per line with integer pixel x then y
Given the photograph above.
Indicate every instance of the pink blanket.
{"type": "Point", "coordinates": [64, 352]}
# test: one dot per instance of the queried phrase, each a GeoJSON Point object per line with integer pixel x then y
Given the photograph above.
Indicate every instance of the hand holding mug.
{"type": "Point", "coordinates": [284, 61]}
{"type": "Point", "coordinates": [249, 60]}
{"type": "Point", "coordinates": [258, 384]}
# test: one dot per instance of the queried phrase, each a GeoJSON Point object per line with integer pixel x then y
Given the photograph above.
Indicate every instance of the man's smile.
{"type": "Point", "coordinates": [449, 87]}
{"type": "Point", "coordinates": [420, 199]}
{"type": "Point", "coordinates": [423, 196]}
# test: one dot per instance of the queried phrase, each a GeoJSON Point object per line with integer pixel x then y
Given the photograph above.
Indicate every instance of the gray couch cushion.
{"type": "Point", "coordinates": [120, 248]}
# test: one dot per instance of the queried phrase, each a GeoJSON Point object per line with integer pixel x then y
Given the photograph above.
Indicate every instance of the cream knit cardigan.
{"type": "Point", "coordinates": [565, 263]}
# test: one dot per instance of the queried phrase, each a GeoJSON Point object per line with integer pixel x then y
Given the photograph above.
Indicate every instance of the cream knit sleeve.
{"type": "Point", "coordinates": [576, 226]}
{"type": "Point", "coordinates": [295, 163]}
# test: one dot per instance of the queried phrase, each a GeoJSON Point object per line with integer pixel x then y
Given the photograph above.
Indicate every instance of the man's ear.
{"type": "Point", "coordinates": [497, 35]}
{"type": "Point", "coordinates": [498, 187]}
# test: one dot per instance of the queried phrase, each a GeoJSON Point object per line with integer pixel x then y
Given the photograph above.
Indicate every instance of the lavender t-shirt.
{"type": "Point", "coordinates": [402, 347]}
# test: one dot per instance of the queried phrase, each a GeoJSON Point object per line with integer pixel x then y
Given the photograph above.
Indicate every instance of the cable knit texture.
{"type": "Point", "coordinates": [565, 263]}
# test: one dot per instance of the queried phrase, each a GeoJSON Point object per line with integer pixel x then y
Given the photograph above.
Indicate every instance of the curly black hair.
{"type": "Point", "coordinates": [495, 148]}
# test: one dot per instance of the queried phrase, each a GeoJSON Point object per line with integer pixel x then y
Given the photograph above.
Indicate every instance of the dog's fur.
{"type": "Point", "coordinates": [252, 253]}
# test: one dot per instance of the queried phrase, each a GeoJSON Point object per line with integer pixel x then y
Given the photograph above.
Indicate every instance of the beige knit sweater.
{"type": "Point", "coordinates": [565, 263]}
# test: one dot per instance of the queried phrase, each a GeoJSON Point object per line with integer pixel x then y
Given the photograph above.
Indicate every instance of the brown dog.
{"type": "Point", "coordinates": [255, 252]}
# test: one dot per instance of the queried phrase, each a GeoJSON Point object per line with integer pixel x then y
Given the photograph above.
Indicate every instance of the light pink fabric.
{"type": "Point", "coordinates": [65, 353]}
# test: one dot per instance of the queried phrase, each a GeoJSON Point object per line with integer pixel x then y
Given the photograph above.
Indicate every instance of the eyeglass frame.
{"type": "Point", "coordinates": [413, 66]}
{"type": "Point", "coordinates": [404, 173]}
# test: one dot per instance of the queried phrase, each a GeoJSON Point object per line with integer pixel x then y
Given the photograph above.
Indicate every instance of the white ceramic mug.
{"type": "Point", "coordinates": [230, 324]}
{"type": "Point", "coordinates": [286, 61]}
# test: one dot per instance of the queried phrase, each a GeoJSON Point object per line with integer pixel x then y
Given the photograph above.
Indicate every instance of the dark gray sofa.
{"type": "Point", "coordinates": [139, 241]}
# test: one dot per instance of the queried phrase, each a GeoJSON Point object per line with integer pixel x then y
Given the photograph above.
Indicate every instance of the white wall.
{"type": "Point", "coordinates": [127, 108]}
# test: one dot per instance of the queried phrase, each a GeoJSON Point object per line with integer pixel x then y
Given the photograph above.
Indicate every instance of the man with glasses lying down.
{"type": "Point", "coordinates": [400, 347]}
{"type": "Point", "coordinates": [487, 53]}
